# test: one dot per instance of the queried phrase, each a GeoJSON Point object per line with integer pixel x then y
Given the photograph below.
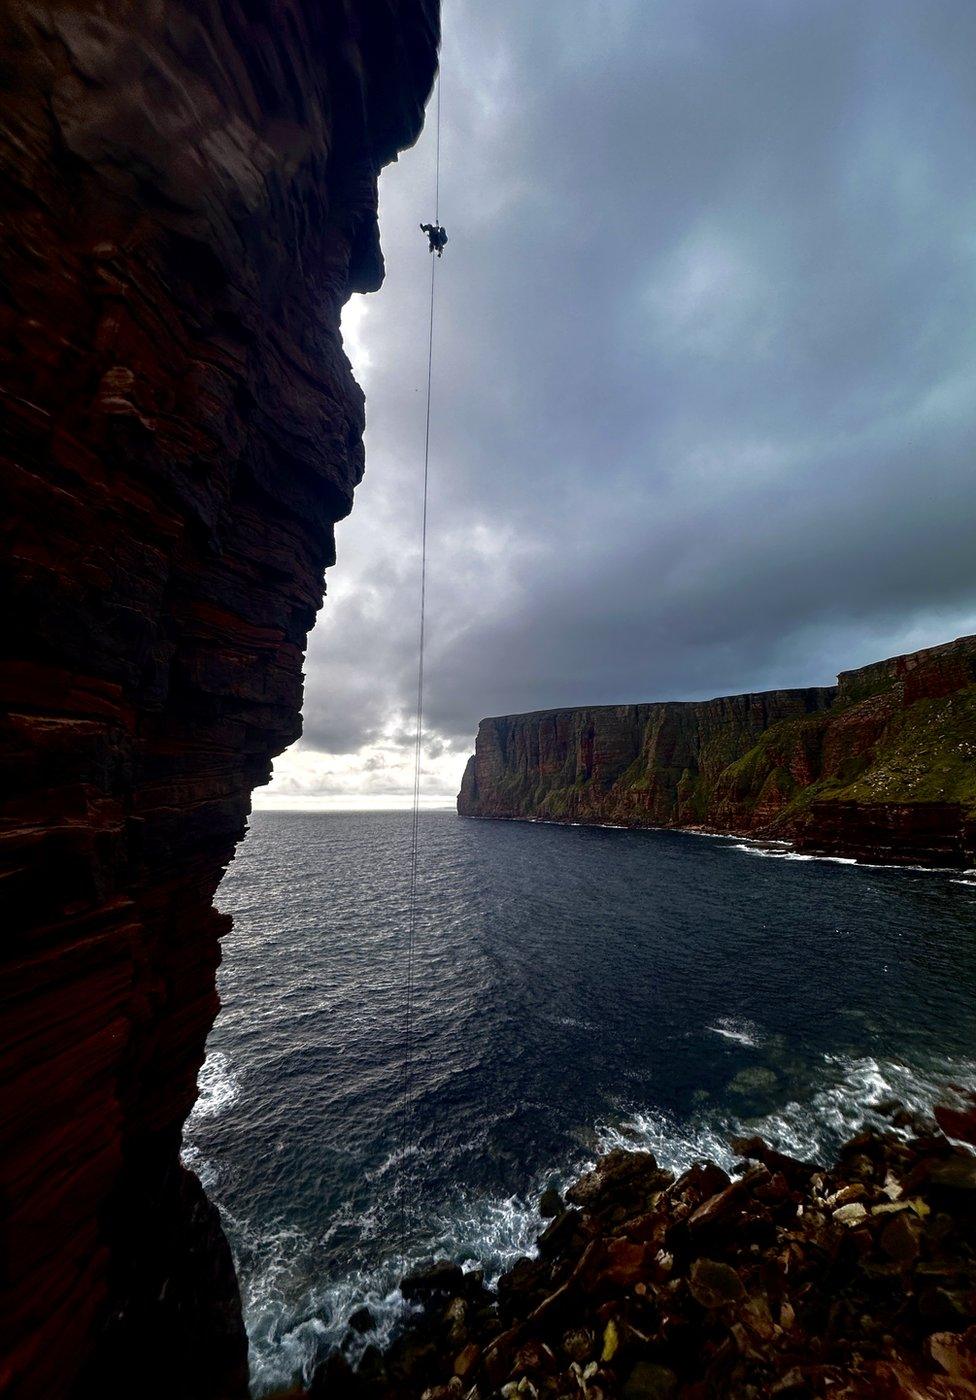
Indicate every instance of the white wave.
{"type": "Point", "coordinates": [294, 1323]}
{"type": "Point", "coordinates": [763, 849]}
{"type": "Point", "coordinates": [763, 842]}
{"type": "Point", "coordinates": [217, 1086]}
{"type": "Point", "coordinates": [781, 854]}
{"type": "Point", "coordinates": [194, 1160]}
{"type": "Point", "coordinates": [734, 1028]}
{"type": "Point", "coordinates": [850, 1099]}
{"type": "Point", "coordinates": [490, 1232]}
{"type": "Point", "coordinates": [295, 1317]}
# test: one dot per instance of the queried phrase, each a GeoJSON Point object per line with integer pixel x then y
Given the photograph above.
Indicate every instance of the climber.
{"type": "Point", "coordinates": [436, 237]}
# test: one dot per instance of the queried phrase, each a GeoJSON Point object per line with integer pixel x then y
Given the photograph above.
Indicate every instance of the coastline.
{"type": "Point", "coordinates": [779, 1277]}
{"type": "Point", "coordinates": [789, 848]}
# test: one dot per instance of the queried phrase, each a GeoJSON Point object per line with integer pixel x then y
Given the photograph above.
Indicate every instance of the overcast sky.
{"type": "Point", "coordinates": [705, 371]}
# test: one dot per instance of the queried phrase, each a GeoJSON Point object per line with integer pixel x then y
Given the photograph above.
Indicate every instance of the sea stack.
{"type": "Point", "coordinates": [189, 199]}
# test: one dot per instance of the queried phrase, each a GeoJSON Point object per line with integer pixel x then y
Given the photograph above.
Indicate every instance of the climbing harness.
{"type": "Point", "coordinates": [437, 237]}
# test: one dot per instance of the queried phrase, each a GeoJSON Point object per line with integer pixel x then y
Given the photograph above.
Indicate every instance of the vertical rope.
{"type": "Point", "coordinates": [408, 1071]}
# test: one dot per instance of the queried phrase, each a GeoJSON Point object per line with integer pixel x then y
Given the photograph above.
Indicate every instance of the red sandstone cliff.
{"type": "Point", "coordinates": [189, 195]}
{"type": "Point", "coordinates": [882, 767]}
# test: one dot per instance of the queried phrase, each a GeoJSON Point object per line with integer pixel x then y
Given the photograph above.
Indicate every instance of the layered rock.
{"type": "Point", "coordinates": [189, 196]}
{"type": "Point", "coordinates": [882, 766]}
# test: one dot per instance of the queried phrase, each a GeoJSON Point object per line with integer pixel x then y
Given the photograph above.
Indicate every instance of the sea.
{"type": "Point", "coordinates": [574, 988]}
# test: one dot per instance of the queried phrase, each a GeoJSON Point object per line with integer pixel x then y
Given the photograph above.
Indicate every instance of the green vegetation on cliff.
{"type": "Point", "coordinates": [885, 764]}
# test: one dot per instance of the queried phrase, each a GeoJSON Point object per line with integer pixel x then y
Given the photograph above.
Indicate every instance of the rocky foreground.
{"type": "Point", "coordinates": [785, 1279]}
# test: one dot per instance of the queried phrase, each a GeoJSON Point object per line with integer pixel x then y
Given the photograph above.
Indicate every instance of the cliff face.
{"type": "Point", "coordinates": [190, 196]}
{"type": "Point", "coordinates": [881, 767]}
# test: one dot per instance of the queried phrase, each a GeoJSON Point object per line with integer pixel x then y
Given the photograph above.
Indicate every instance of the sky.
{"type": "Point", "coordinates": [704, 385]}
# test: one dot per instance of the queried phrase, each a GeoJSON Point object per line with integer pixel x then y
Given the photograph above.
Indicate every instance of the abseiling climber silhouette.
{"type": "Point", "coordinates": [436, 237]}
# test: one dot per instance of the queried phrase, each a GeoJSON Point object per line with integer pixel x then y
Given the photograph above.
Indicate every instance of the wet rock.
{"type": "Point", "coordinates": [847, 1195]}
{"type": "Point", "coordinates": [578, 1343]}
{"type": "Point", "coordinates": [851, 1214]}
{"type": "Point", "coordinates": [362, 1321]}
{"type": "Point", "coordinates": [725, 1203]}
{"type": "Point", "coordinates": [524, 1285]}
{"type": "Point", "coordinates": [756, 1149]}
{"type": "Point", "coordinates": [650, 1382]}
{"type": "Point", "coordinates": [438, 1277]}
{"type": "Point", "coordinates": [942, 1307]}
{"type": "Point", "coordinates": [619, 1177]}
{"type": "Point", "coordinates": [790, 1281]}
{"type": "Point", "coordinates": [558, 1235]}
{"type": "Point", "coordinates": [955, 1174]}
{"type": "Point", "coordinates": [467, 1359]}
{"type": "Point", "coordinates": [413, 1359]}
{"type": "Point", "coordinates": [955, 1354]}
{"type": "Point", "coordinates": [626, 1264]}
{"type": "Point", "coordinates": [498, 1357]}
{"type": "Point", "coordinates": [757, 1317]}
{"type": "Point", "coordinates": [372, 1366]}
{"type": "Point", "coordinates": [534, 1358]}
{"type": "Point", "coordinates": [456, 1321]}
{"type": "Point", "coordinates": [335, 1380]}
{"type": "Point", "coordinates": [899, 1238]}
{"type": "Point", "coordinates": [448, 1391]}
{"type": "Point", "coordinates": [714, 1284]}
{"type": "Point", "coordinates": [958, 1122]}
{"type": "Point", "coordinates": [550, 1204]}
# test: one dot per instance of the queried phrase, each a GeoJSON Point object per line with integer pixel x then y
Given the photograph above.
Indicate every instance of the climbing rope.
{"type": "Point", "coordinates": [408, 1057]}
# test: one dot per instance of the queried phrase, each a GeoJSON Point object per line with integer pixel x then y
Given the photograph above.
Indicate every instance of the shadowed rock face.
{"type": "Point", "coordinates": [189, 196]}
{"type": "Point", "coordinates": [882, 766]}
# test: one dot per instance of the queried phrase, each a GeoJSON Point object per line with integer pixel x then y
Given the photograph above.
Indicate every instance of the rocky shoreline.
{"type": "Point", "coordinates": [909, 855]}
{"type": "Point", "coordinates": [785, 1279]}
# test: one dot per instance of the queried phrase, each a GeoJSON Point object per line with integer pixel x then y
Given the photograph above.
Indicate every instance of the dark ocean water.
{"type": "Point", "coordinates": [576, 988]}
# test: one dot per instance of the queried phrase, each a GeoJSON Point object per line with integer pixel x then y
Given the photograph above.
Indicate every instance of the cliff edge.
{"type": "Point", "coordinates": [880, 767]}
{"type": "Point", "coordinates": [189, 196]}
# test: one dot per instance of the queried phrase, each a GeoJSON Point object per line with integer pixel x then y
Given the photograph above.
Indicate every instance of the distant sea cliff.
{"type": "Point", "coordinates": [880, 767]}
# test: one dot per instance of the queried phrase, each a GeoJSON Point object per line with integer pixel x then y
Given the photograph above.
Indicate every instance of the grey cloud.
{"type": "Point", "coordinates": [705, 369]}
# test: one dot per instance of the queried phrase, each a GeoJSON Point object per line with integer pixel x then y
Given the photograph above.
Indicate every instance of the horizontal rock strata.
{"type": "Point", "coordinates": [880, 767]}
{"type": "Point", "coordinates": [188, 197]}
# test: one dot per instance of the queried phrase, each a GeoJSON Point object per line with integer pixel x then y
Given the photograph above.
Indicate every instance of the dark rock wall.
{"type": "Point", "coordinates": [188, 197]}
{"type": "Point", "coordinates": [881, 767]}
